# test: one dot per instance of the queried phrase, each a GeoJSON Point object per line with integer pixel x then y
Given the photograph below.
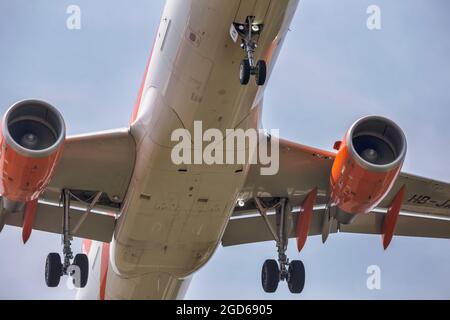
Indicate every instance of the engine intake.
{"type": "Point", "coordinates": [377, 143]}
{"type": "Point", "coordinates": [367, 164]}
{"type": "Point", "coordinates": [33, 128]}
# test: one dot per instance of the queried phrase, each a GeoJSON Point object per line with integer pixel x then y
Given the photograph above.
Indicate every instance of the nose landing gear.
{"type": "Point", "coordinates": [248, 31]}
{"type": "Point", "coordinates": [293, 272]}
{"type": "Point", "coordinates": [54, 268]}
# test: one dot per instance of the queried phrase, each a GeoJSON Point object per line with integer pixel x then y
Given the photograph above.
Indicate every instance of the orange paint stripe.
{"type": "Point", "coordinates": [141, 89]}
{"type": "Point", "coordinates": [104, 270]}
{"type": "Point", "coordinates": [87, 244]}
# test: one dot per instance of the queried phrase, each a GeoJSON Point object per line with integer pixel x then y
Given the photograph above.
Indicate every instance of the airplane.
{"type": "Point", "coordinates": [149, 224]}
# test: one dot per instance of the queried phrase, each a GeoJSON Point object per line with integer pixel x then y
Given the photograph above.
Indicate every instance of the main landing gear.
{"type": "Point", "coordinates": [54, 268]}
{"type": "Point", "coordinates": [248, 31]}
{"type": "Point", "coordinates": [293, 272]}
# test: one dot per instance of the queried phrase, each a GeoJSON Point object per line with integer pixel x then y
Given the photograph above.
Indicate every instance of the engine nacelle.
{"type": "Point", "coordinates": [367, 164]}
{"type": "Point", "coordinates": [32, 137]}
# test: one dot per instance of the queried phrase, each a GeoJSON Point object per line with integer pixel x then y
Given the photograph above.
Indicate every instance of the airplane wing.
{"type": "Point", "coordinates": [425, 208]}
{"type": "Point", "coordinates": [49, 218]}
{"type": "Point", "coordinates": [92, 163]}
{"type": "Point", "coordinates": [101, 161]}
{"type": "Point", "coordinates": [252, 229]}
{"type": "Point", "coordinates": [301, 169]}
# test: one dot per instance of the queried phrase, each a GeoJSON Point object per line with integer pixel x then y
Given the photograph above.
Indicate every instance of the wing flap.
{"type": "Point", "coordinates": [49, 218]}
{"type": "Point", "coordinates": [253, 229]}
{"type": "Point", "coordinates": [407, 225]}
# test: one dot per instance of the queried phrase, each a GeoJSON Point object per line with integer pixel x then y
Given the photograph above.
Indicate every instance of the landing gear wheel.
{"type": "Point", "coordinates": [82, 262]}
{"type": "Point", "coordinates": [270, 276]}
{"type": "Point", "coordinates": [245, 72]}
{"type": "Point", "coordinates": [296, 279]}
{"type": "Point", "coordinates": [282, 270]}
{"type": "Point", "coordinates": [261, 73]}
{"type": "Point", "coordinates": [53, 270]}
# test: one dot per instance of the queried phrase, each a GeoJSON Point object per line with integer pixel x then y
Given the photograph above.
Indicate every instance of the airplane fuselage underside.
{"type": "Point", "coordinates": [173, 216]}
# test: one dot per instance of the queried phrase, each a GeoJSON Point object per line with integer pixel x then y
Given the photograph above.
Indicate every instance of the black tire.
{"type": "Point", "coordinates": [261, 72]}
{"type": "Point", "coordinates": [245, 72]}
{"type": "Point", "coordinates": [296, 280]}
{"type": "Point", "coordinates": [82, 262]}
{"type": "Point", "coordinates": [270, 276]}
{"type": "Point", "coordinates": [53, 270]}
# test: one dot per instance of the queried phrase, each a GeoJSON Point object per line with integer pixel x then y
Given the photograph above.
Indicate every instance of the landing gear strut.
{"type": "Point", "coordinates": [54, 269]}
{"type": "Point", "coordinates": [248, 31]}
{"type": "Point", "coordinates": [282, 270]}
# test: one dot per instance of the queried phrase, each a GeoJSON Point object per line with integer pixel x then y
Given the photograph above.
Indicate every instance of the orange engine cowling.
{"type": "Point", "coordinates": [32, 138]}
{"type": "Point", "coordinates": [367, 164]}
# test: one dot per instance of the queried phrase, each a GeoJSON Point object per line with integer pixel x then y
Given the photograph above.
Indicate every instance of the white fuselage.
{"type": "Point", "coordinates": [174, 216]}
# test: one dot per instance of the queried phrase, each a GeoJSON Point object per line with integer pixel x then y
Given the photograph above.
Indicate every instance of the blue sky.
{"type": "Point", "coordinates": [332, 70]}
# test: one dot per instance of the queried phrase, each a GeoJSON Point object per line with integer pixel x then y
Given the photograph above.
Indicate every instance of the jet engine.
{"type": "Point", "coordinates": [367, 164]}
{"type": "Point", "coordinates": [32, 138]}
